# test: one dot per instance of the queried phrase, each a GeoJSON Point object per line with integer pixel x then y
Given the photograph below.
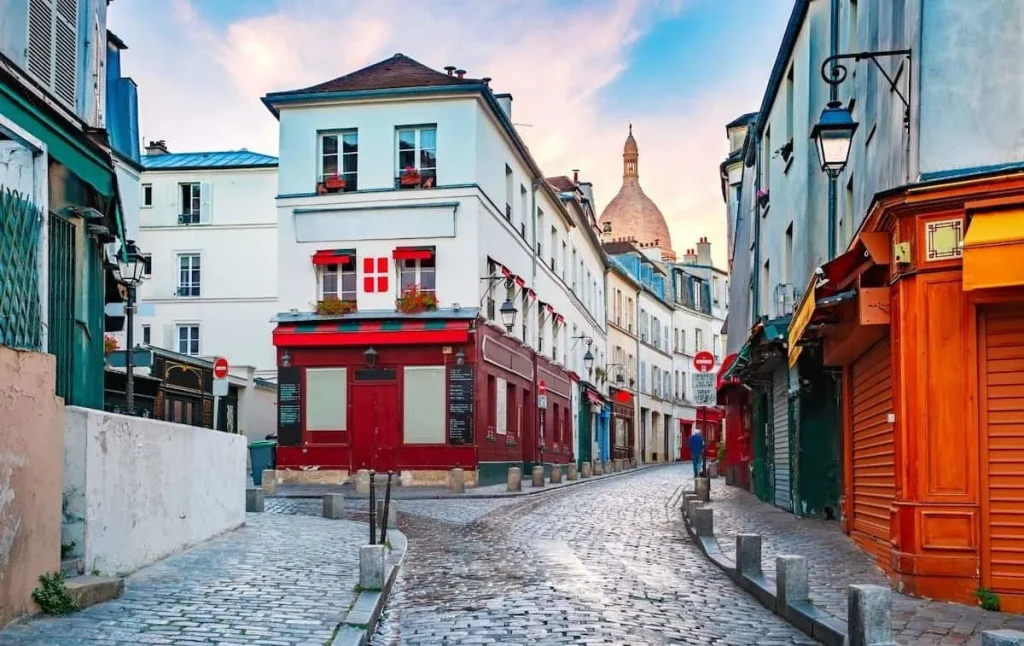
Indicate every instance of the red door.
{"type": "Point", "coordinates": [684, 443]}
{"type": "Point", "coordinates": [375, 426]}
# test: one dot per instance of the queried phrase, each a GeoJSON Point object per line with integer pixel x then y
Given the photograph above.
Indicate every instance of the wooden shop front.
{"type": "Point", "coordinates": [925, 316]}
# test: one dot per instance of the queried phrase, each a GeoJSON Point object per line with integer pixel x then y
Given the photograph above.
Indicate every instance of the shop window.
{"type": "Point", "coordinates": [326, 406]}
{"type": "Point", "coordinates": [511, 410]}
{"type": "Point", "coordinates": [492, 405]}
{"type": "Point", "coordinates": [424, 404]}
{"type": "Point", "coordinates": [501, 407]}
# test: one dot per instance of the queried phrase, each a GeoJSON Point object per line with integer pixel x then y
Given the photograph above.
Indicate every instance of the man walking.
{"type": "Point", "coordinates": [697, 452]}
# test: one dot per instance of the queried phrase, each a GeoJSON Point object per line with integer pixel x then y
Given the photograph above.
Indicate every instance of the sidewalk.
{"type": "Point", "coordinates": [834, 562]}
{"type": "Point", "coordinates": [278, 580]}
{"type": "Point", "coordinates": [418, 492]}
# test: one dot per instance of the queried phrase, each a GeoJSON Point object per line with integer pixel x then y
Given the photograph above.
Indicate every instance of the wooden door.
{"type": "Point", "coordinates": [375, 428]}
{"type": "Point", "coordinates": [1001, 399]}
{"type": "Point", "coordinates": [873, 446]}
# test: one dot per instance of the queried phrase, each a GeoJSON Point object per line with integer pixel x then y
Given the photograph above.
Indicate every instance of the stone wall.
{"type": "Point", "coordinates": [139, 489]}
{"type": "Point", "coordinates": [31, 448]}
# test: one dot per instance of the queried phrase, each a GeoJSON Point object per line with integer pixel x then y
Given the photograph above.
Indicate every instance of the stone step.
{"type": "Point", "coordinates": [90, 590]}
{"type": "Point", "coordinates": [72, 567]}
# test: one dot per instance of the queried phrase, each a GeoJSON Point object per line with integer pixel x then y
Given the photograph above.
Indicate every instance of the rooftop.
{"type": "Point", "coordinates": [223, 159]}
{"type": "Point", "coordinates": [399, 71]}
{"type": "Point", "coordinates": [742, 120]}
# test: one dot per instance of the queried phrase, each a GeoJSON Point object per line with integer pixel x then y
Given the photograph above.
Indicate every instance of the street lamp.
{"type": "Point", "coordinates": [371, 357]}
{"type": "Point", "coordinates": [508, 313]}
{"type": "Point", "coordinates": [832, 136]}
{"type": "Point", "coordinates": [588, 361]}
{"type": "Point", "coordinates": [130, 266]}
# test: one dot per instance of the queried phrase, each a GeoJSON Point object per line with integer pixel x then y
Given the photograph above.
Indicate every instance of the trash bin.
{"type": "Point", "coordinates": [261, 455]}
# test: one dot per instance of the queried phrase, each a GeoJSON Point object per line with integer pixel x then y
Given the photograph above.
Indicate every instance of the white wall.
{"type": "Point", "coordinates": [141, 489]}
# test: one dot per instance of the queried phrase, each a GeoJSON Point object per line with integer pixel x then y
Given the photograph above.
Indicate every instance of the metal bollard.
{"type": "Point", "coordinates": [384, 516]}
{"type": "Point", "coordinates": [373, 507]}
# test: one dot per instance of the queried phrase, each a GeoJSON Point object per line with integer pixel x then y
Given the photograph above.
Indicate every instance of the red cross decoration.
{"type": "Point", "coordinates": [375, 275]}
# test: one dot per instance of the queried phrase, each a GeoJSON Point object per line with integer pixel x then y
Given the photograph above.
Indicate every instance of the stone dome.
{"type": "Point", "coordinates": [631, 214]}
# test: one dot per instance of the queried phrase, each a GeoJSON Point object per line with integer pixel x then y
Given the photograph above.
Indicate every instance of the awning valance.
{"type": "Point", "coordinates": [994, 250]}
{"type": "Point", "coordinates": [413, 253]}
{"type": "Point", "coordinates": [351, 333]}
{"type": "Point", "coordinates": [334, 257]}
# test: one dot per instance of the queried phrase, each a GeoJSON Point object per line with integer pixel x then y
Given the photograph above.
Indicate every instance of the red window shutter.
{"type": "Point", "coordinates": [368, 284]}
{"type": "Point", "coordinates": [368, 266]}
{"type": "Point", "coordinates": [382, 283]}
{"type": "Point", "coordinates": [382, 266]}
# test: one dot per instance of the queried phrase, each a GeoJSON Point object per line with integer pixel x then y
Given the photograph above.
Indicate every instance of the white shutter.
{"type": "Point", "coordinates": [40, 41]}
{"type": "Point", "coordinates": [65, 51]}
{"type": "Point", "coordinates": [206, 202]}
{"type": "Point", "coordinates": [170, 340]}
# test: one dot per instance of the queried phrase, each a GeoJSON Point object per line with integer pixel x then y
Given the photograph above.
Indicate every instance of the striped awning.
{"type": "Point", "coordinates": [349, 333]}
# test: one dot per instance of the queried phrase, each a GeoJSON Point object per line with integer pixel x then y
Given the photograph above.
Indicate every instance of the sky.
{"type": "Point", "coordinates": [579, 70]}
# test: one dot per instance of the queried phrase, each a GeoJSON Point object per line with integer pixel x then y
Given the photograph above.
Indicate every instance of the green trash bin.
{"type": "Point", "coordinates": [261, 455]}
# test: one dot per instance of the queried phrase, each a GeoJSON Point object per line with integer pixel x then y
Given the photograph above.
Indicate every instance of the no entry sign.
{"type": "Point", "coordinates": [704, 361]}
{"type": "Point", "coordinates": [542, 388]}
{"type": "Point", "coordinates": [220, 368]}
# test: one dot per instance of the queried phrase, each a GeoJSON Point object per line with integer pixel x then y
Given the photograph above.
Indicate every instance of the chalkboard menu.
{"type": "Point", "coordinates": [460, 405]}
{"type": "Point", "coordinates": [289, 406]}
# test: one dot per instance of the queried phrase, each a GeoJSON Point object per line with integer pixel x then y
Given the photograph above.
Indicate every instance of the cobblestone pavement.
{"type": "Point", "coordinates": [915, 621]}
{"type": "Point", "coordinates": [280, 580]}
{"type": "Point", "coordinates": [605, 563]}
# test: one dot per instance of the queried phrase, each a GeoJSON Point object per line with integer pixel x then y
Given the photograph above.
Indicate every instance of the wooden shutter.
{"type": "Point", "coordinates": [1001, 390]}
{"type": "Point", "coordinates": [874, 468]}
{"type": "Point", "coordinates": [40, 41]}
{"type": "Point", "coordinates": [53, 47]}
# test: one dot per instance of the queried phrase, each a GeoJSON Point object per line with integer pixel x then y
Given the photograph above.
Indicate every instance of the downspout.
{"type": "Point", "coordinates": [756, 309]}
{"type": "Point", "coordinates": [833, 95]}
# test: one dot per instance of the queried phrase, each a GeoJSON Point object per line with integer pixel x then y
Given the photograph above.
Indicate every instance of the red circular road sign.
{"type": "Point", "coordinates": [542, 388]}
{"type": "Point", "coordinates": [220, 368]}
{"type": "Point", "coordinates": [704, 361]}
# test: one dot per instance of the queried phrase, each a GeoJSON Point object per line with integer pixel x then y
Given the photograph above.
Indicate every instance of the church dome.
{"type": "Point", "coordinates": [633, 215]}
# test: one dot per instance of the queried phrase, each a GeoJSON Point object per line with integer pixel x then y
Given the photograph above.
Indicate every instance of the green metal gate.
{"type": "Point", "coordinates": [62, 301]}
{"type": "Point", "coordinates": [19, 275]}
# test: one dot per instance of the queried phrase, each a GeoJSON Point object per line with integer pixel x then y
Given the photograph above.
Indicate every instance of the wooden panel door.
{"type": "Point", "coordinates": [1001, 398]}
{"type": "Point", "coordinates": [780, 437]}
{"type": "Point", "coordinates": [375, 428]}
{"type": "Point", "coordinates": [873, 446]}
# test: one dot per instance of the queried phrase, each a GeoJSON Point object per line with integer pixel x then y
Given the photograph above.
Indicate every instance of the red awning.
{"type": "Point", "coordinates": [334, 257]}
{"type": "Point", "coordinates": [413, 253]}
{"type": "Point", "coordinates": [349, 333]}
{"type": "Point", "coordinates": [594, 398]}
{"type": "Point", "coordinates": [868, 250]}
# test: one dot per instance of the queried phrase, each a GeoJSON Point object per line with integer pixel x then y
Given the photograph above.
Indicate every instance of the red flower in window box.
{"type": "Point", "coordinates": [333, 306]}
{"type": "Point", "coordinates": [410, 177]}
{"type": "Point", "coordinates": [109, 344]}
{"type": "Point", "coordinates": [335, 183]}
{"type": "Point", "coordinates": [414, 299]}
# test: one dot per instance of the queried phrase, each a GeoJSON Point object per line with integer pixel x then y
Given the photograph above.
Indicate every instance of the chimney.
{"type": "Point", "coordinates": [460, 73]}
{"type": "Point", "coordinates": [505, 102]}
{"type": "Point", "coordinates": [690, 258]}
{"type": "Point", "coordinates": [449, 69]}
{"type": "Point", "coordinates": [158, 147]}
{"type": "Point", "coordinates": [576, 176]}
{"type": "Point", "coordinates": [486, 81]}
{"type": "Point", "coordinates": [704, 252]}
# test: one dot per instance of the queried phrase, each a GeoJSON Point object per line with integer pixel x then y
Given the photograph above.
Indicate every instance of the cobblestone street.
{"type": "Point", "coordinates": [605, 563]}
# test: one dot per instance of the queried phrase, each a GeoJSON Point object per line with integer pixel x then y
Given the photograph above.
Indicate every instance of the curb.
{"type": "Point", "coordinates": [360, 620]}
{"type": "Point", "coordinates": [808, 618]}
{"type": "Point", "coordinates": [489, 496]}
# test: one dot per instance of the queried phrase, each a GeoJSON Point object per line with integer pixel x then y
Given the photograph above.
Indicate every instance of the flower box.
{"type": "Point", "coordinates": [762, 198]}
{"type": "Point", "coordinates": [409, 178]}
{"type": "Point", "coordinates": [414, 300]}
{"type": "Point", "coordinates": [332, 306]}
{"type": "Point", "coordinates": [335, 183]}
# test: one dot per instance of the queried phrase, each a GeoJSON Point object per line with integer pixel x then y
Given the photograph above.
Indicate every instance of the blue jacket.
{"type": "Point", "coordinates": [697, 445]}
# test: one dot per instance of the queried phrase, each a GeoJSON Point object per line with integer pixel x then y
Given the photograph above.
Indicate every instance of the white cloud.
{"type": "Point", "coordinates": [200, 85]}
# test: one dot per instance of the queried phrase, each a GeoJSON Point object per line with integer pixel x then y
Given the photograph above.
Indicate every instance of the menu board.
{"type": "Point", "coordinates": [460, 405]}
{"type": "Point", "coordinates": [289, 406]}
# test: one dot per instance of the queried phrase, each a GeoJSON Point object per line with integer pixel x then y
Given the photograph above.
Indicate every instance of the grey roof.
{"type": "Point", "coordinates": [201, 160]}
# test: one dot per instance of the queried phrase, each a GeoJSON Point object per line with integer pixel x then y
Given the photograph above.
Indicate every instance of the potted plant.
{"type": "Point", "coordinates": [762, 198]}
{"type": "Point", "coordinates": [109, 345]}
{"type": "Point", "coordinates": [600, 374]}
{"type": "Point", "coordinates": [414, 299]}
{"type": "Point", "coordinates": [410, 177]}
{"type": "Point", "coordinates": [335, 183]}
{"type": "Point", "coordinates": [334, 306]}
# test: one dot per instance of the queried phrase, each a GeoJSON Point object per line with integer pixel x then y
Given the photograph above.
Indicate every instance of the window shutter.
{"type": "Point", "coordinates": [170, 340]}
{"type": "Point", "coordinates": [205, 202]}
{"type": "Point", "coordinates": [65, 51]}
{"type": "Point", "coordinates": [40, 41]}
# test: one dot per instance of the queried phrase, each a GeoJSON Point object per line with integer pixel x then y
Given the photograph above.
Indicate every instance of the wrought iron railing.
{"type": "Point", "coordinates": [61, 332]}
{"type": "Point", "coordinates": [20, 222]}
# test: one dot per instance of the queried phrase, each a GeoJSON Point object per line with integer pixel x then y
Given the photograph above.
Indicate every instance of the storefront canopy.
{"type": "Point", "coordinates": [992, 239]}
{"type": "Point", "coordinates": [355, 333]}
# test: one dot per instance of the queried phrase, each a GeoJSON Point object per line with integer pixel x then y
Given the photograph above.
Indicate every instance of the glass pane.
{"type": "Point", "coordinates": [406, 140]}
{"type": "Point", "coordinates": [330, 144]}
{"type": "Point", "coordinates": [406, 159]}
{"type": "Point", "coordinates": [326, 401]}
{"type": "Point", "coordinates": [351, 163]}
{"type": "Point", "coordinates": [428, 139]}
{"type": "Point", "coordinates": [408, 278]}
{"type": "Point", "coordinates": [429, 262]}
{"type": "Point", "coordinates": [424, 405]}
{"type": "Point", "coordinates": [348, 286]}
{"type": "Point", "coordinates": [330, 165]}
{"type": "Point", "coordinates": [427, 279]}
{"type": "Point", "coordinates": [427, 159]}
{"type": "Point", "coordinates": [350, 142]}
{"type": "Point", "coordinates": [330, 284]}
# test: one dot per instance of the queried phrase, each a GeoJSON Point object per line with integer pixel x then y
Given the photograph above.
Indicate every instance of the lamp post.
{"type": "Point", "coordinates": [129, 273]}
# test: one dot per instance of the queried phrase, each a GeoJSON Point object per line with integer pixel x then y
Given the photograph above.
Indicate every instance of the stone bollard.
{"type": "Point", "coordinates": [1002, 638]}
{"type": "Point", "coordinates": [538, 476]}
{"type": "Point", "coordinates": [790, 581]}
{"type": "Point", "coordinates": [703, 488]}
{"type": "Point", "coordinates": [392, 514]}
{"type": "Point", "coordinates": [556, 474]}
{"type": "Point", "coordinates": [634, 463]}
{"type": "Point", "coordinates": [253, 499]}
{"type": "Point", "coordinates": [586, 470]}
{"type": "Point", "coordinates": [515, 479]}
{"type": "Point", "coordinates": [702, 520]}
{"type": "Point", "coordinates": [691, 505]}
{"type": "Point", "coordinates": [748, 554]}
{"type": "Point", "coordinates": [457, 480]}
{"type": "Point", "coordinates": [869, 615]}
{"type": "Point", "coordinates": [371, 567]}
{"type": "Point", "coordinates": [598, 468]}
{"type": "Point", "coordinates": [363, 482]}
{"type": "Point", "coordinates": [573, 473]}
{"type": "Point", "coordinates": [269, 482]}
{"type": "Point", "coordinates": [616, 466]}
{"type": "Point", "coordinates": [609, 466]}
{"type": "Point", "coordinates": [334, 506]}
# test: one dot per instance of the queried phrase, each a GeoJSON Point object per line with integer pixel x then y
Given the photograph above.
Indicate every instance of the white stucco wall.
{"type": "Point", "coordinates": [138, 490]}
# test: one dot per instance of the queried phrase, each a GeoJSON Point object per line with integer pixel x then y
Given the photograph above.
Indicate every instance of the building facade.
{"type": "Point", "coordinates": [209, 236]}
{"type": "Point", "coordinates": [623, 361]}
{"type": "Point", "coordinates": [411, 215]}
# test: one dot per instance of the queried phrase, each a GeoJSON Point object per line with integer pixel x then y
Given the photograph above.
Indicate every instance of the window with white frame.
{"type": "Point", "coordinates": [524, 210]}
{"type": "Point", "coordinates": [492, 274]}
{"type": "Point", "coordinates": [189, 274]}
{"type": "Point", "coordinates": [717, 342]}
{"type": "Point", "coordinates": [540, 329]}
{"type": "Point", "coordinates": [338, 161]}
{"type": "Point", "coordinates": [191, 203]}
{"type": "Point", "coordinates": [508, 192]}
{"type": "Point", "coordinates": [698, 340]}
{"type": "Point", "coordinates": [147, 195]}
{"type": "Point", "coordinates": [421, 273]}
{"type": "Point", "coordinates": [147, 265]}
{"type": "Point", "coordinates": [554, 248]}
{"type": "Point", "coordinates": [147, 335]}
{"type": "Point", "coordinates": [338, 281]}
{"type": "Point", "coordinates": [188, 339]}
{"type": "Point", "coordinates": [416, 156]}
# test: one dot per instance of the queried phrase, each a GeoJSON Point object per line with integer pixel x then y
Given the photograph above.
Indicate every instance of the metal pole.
{"type": "Point", "coordinates": [373, 509]}
{"type": "Point", "coordinates": [833, 94]}
{"type": "Point", "coordinates": [387, 504]}
{"type": "Point", "coordinates": [216, 411]}
{"type": "Point", "coordinates": [129, 367]}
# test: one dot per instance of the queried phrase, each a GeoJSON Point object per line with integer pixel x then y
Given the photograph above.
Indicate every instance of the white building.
{"type": "Point", "coordinates": [209, 234]}
{"type": "Point", "coordinates": [396, 177]}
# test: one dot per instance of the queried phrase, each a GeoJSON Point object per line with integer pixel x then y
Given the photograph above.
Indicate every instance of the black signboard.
{"type": "Point", "coordinates": [289, 406]}
{"type": "Point", "coordinates": [460, 405]}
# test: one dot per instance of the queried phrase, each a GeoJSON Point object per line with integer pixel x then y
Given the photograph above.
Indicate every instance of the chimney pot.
{"type": "Point", "coordinates": [575, 176]}
{"type": "Point", "coordinates": [449, 69]}
{"type": "Point", "coordinates": [158, 147]}
{"type": "Point", "coordinates": [486, 80]}
{"type": "Point", "coordinates": [460, 73]}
